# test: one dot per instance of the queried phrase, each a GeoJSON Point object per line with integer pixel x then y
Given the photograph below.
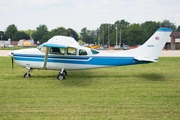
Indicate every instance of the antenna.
{"type": "Point", "coordinates": [165, 21]}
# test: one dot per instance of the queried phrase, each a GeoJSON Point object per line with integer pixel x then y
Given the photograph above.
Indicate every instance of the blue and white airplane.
{"type": "Point", "coordinates": [64, 53]}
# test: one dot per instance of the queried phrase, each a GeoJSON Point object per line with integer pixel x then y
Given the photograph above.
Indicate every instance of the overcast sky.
{"type": "Point", "coordinates": [77, 14]}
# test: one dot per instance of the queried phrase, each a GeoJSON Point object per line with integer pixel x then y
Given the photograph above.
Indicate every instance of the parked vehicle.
{"type": "Point", "coordinates": [126, 47]}
{"type": "Point", "coordinates": [117, 47]}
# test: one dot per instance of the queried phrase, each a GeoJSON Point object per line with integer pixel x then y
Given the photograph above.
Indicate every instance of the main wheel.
{"type": "Point", "coordinates": [61, 77]}
{"type": "Point", "coordinates": [27, 75]}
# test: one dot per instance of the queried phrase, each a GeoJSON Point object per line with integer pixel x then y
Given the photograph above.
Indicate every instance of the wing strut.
{"type": "Point", "coordinates": [45, 58]}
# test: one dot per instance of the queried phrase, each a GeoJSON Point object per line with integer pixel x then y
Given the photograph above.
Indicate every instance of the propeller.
{"type": "Point", "coordinates": [11, 54]}
{"type": "Point", "coordinates": [12, 60]}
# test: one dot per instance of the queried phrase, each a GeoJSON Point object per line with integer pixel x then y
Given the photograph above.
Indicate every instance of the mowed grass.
{"type": "Point", "coordinates": [149, 91]}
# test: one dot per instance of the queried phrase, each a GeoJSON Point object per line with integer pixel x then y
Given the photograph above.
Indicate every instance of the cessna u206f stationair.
{"type": "Point", "coordinates": [64, 53]}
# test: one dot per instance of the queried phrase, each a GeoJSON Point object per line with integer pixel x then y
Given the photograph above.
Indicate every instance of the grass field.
{"type": "Point", "coordinates": [149, 91]}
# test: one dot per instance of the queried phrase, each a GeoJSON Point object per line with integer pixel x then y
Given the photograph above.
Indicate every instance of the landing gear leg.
{"type": "Point", "coordinates": [28, 75]}
{"type": "Point", "coordinates": [61, 75]}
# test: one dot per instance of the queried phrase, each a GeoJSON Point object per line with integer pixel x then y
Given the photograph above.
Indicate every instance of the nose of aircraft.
{"type": "Point", "coordinates": [10, 54]}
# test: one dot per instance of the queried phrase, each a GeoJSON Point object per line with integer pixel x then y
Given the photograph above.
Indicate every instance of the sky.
{"type": "Point", "coordinates": [78, 14]}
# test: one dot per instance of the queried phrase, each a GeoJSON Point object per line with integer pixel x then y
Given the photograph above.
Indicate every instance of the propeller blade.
{"type": "Point", "coordinates": [12, 60]}
{"type": "Point", "coordinates": [11, 54]}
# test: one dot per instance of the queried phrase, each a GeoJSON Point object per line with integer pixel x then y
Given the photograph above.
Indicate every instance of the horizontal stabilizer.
{"type": "Point", "coordinates": [147, 59]}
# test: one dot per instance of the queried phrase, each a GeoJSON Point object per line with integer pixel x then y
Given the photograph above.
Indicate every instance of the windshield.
{"type": "Point", "coordinates": [40, 46]}
{"type": "Point", "coordinates": [94, 51]}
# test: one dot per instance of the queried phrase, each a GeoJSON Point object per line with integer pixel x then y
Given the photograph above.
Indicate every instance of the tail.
{"type": "Point", "coordinates": [152, 48]}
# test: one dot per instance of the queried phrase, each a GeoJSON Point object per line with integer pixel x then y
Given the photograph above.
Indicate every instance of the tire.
{"type": "Point", "coordinates": [26, 75]}
{"type": "Point", "coordinates": [61, 77]}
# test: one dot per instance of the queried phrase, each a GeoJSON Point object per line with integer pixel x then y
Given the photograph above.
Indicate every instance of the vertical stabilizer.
{"type": "Point", "coordinates": [153, 46]}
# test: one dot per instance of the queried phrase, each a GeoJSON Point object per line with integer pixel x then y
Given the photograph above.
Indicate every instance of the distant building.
{"type": "Point", "coordinates": [25, 43]}
{"type": "Point", "coordinates": [174, 41]}
{"type": "Point", "coordinates": [4, 43]}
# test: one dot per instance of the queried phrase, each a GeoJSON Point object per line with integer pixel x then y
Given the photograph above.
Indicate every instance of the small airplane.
{"type": "Point", "coordinates": [64, 53]}
{"type": "Point", "coordinates": [92, 46]}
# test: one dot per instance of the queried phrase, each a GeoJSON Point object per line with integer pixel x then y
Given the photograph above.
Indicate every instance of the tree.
{"type": "Point", "coordinates": [21, 35]}
{"type": "Point", "coordinates": [135, 36]}
{"type": "Point", "coordinates": [11, 31]}
{"type": "Point", "coordinates": [150, 27]}
{"type": "Point", "coordinates": [72, 33]}
{"type": "Point", "coordinates": [178, 29]}
{"type": "Point", "coordinates": [4, 36]}
{"type": "Point", "coordinates": [122, 24]}
{"type": "Point", "coordinates": [41, 31]}
{"type": "Point", "coordinates": [122, 27]}
{"type": "Point", "coordinates": [29, 32]}
{"type": "Point", "coordinates": [87, 35]}
{"type": "Point", "coordinates": [167, 23]}
{"type": "Point", "coordinates": [104, 33]}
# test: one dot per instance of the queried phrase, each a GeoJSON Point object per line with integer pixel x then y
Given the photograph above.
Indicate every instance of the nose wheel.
{"type": "Point", "coordinates": [28, 75]}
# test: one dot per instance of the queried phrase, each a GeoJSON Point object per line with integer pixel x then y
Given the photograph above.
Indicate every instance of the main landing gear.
{"type": "Point", "coordinates": [62, 74]}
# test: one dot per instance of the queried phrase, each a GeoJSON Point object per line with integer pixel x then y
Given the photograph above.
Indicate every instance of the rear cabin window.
{"type": "Point", "coordinates": [71, 51]}
{"type": "Point", "coordinates": [82, 52]}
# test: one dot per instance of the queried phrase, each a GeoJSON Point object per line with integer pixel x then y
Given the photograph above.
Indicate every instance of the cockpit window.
{"type": "Point", "coordinates": [94, 51]}
{"type": "Point", "coordinates": [52, 50]}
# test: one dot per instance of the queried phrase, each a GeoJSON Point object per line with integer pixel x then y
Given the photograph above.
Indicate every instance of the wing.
{"type": "Point", "coordinates": [54, 45]}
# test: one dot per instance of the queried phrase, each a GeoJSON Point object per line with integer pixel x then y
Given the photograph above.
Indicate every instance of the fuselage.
{"type": "Point", "coordinates": [35, 58]}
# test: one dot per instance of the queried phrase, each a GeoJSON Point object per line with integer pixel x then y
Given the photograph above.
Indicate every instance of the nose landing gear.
{"type": "Point", "coordinates": [28, 75]}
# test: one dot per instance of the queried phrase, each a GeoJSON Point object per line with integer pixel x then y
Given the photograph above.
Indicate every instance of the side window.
{"type": "Point", "coordinates": [82, 52]}
{"type": "Point", "coordinates": [54, 50]}
{"type": "Point", "coordinates": [71, 51]}
{"type": "Point", "coordinates": [60, 51]}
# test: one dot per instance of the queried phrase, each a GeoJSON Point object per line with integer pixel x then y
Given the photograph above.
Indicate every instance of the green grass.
{"type": "Point", "coordinates": [149, 91]}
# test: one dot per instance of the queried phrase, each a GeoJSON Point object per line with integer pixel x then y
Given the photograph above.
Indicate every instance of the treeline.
{"type": "Point", "coordinates": [41, 33]}
{"type": "Point", "coordinates": [120, 32]}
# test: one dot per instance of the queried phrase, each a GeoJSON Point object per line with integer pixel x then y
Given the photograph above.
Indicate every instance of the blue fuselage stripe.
{"type": "Point", "coordinates": [87, 60]}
